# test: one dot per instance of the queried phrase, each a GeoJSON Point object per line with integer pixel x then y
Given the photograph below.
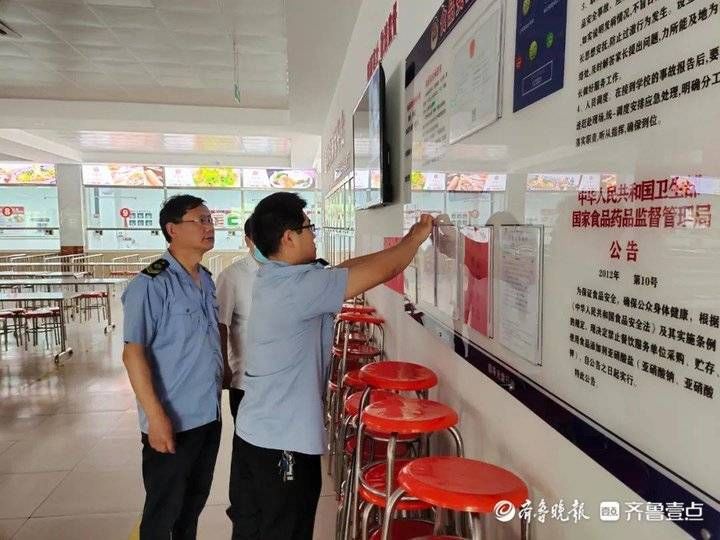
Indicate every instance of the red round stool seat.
{"type": "Point", "coordinates": [361, 318]}
{"type": "Point", "coordinates": [373, 485]}
{"type": "Point", "coordinates": [408, 416]}
{"type": "Point", "coordinates": [461, 484]}
{"type": "Point", "coordinates": [351, 308]}
{"type": "Point", "coordinates": [379, 449]}
{"type": "Point", "coordinates": [354, 338]}
{"type": "Point", "coordinates": [357, 350]}
{"type": "Point", "coordinates": [352, 403]}
{"type": "Point", "coordinates": [6, 314]}
{"type": "Point", "coordinates": [407, 529]}
{"type": "Point", "coordinates": [352, 380]}
{"type": "Point", "coordinates": [394, 375]}
{"type": "Point", "coordinates": [351, 364]}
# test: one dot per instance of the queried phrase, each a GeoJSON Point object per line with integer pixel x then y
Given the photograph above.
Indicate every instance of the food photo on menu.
{"type": "Point", "coordinates": [476, 182]}
{"type": "Point", "coordinates": [115, 174]}
{"type": "Point", "coordinates": [427, 181]}
{"type": "Point", "coordinates": [26, 173]}
{"type": "Point", "coordinates": [291, 179]}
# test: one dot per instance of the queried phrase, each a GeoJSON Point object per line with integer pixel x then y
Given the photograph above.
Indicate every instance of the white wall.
{"type": "Point", "coordinates": [495, 427]}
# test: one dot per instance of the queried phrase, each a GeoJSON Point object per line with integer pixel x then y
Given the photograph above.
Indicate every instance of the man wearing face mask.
{"type": "Point", "coordinates": [275, 478]}
{"type": "Point", "coordinates": [234, 290]}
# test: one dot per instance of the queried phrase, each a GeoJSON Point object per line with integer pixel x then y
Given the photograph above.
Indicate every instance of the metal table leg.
{"type": "Point", "coordinates": [64, 349]}
{"type": "Point", "coordinates": [108, 312]}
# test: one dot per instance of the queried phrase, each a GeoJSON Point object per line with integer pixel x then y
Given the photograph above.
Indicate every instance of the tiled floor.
{"type": "Point", "coordinates": [70, 452]}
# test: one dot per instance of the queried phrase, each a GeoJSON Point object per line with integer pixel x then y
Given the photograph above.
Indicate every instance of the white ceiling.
{"type": "Point", "coordinates": [146, 51]}
{"type": "Point", "coordinates": [127, 79]}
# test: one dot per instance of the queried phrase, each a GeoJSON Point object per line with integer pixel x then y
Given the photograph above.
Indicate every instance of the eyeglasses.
{"type": "Point", "coordinates": [310, 226]}
{"type": "Point", "coordinates": [204, 220]}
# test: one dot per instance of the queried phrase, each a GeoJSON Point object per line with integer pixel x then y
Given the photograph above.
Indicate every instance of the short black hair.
{"type": "Point", "coordinates": [274, 215]}
{"type": "Point", "coordinates": [248, 227]}
{"type": "Point", "coordinates": [175, 208]}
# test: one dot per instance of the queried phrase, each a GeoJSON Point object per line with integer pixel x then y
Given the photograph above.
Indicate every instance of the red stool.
{"type": "Point", "coordinates": [348, 356]}
{"type": "Point", "coordinates": [42, 320]}
{"type": "Point", "coordinates": [353, 381]}
{"type": "Point", "coordinates": [399, 376]}
{"type": "Point", "coordinates": [393, 417]}
{"type": "Point", "coordinates": [458, 484]}
{"type": "Point", "coordinates": [93, 301]}
{"type": "Point", "coordinates": [351, 409]}
{"type": "Point", "coordinates": [352, 308]}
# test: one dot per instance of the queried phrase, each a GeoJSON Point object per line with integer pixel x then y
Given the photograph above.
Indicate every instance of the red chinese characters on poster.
{"type": "Point", "coordinates": [476, 269]}
{"type": "Point", "coordinates": [397, 283]}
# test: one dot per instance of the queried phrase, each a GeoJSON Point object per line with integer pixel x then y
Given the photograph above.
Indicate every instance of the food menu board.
{"type": "Point", "coordinates": [291, 179]}
{"type": "Point", "coordinates": [114, 174]}
{"type": "Point", "coordinates": [278, 179]}
{"type": "Point", "coordinates": [194, 177]}
{"type": "Point", "coordinates": [205, 177]}
{"type": "Point", "coordinates": [26, 173]}
{"type": "Point", "coordinates": [427, 181]}
{"type": "Point", "coordinates": [569, 181]}
{"type": "Point", "coordinates": [476, 182]}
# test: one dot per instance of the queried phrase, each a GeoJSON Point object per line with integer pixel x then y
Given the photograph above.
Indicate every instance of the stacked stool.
{"type": "Point", "coordinates": [354, 347]}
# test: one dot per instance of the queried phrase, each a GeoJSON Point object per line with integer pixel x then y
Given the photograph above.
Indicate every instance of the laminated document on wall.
{"type": "Point", "coordinates": [475, 82]}
{"type": "Point", "coordinates": [519, 291]}
{"type": "Point", "coordinates": [445, 239]}
{"type": "Point", "coordinates": [476, 271]}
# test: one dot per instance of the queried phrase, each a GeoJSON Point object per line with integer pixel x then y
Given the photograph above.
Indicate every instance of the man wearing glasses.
{"type": "Point", "coordinates": [275, 478]}
{"type": "Point", "coordinates": [173, 358]}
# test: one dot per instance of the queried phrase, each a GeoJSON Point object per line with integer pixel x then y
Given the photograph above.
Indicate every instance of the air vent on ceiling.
{"type": "Point", "coordinates": [7, 32]}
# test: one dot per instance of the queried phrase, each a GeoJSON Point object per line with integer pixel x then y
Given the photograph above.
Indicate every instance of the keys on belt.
{"type": "Point", "coordinates": [287, 466]}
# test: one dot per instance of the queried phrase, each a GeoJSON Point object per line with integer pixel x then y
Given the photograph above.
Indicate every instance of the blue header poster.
{"type": "Point", "coordinates": [539, 50]}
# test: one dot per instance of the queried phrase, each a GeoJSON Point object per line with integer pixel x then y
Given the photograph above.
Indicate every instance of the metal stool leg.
{"type": "Point", "coordinates": [367, 510]}
{"type": "Point", "coordinates": [389, 510]}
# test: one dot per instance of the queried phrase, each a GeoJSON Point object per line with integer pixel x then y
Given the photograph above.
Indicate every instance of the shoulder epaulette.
{"type": "Point", "coordinates": [204, 268]}
{"type": "Point", "coordinates": [156, 268]}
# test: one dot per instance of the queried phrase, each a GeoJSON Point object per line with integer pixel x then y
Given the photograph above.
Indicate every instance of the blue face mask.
{"type": "Point", "coordinates": [259, 257]}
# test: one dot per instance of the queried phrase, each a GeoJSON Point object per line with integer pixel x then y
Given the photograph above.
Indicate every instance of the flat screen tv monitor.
{"type": "Point", "coordinates": [371, 155]}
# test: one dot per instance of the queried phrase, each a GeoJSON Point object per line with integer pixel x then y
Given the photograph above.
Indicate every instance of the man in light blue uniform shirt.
{"type": "Point", "coordinates": [173, 358]}
{"type": "Point", "coordinates": [276, 478]}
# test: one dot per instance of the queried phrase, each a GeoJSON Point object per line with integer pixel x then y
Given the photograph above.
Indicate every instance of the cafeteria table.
{"type": "Point", "coordinates": [58, 298]}
{"type": "Point", "coordinates": [73, 283]}
{"type": "Point", "coordinates": [18, 275]}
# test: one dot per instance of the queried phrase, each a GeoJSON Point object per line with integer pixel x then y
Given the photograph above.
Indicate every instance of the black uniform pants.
{"type": "Point", "coordinates": [264, 507]}
{"type": "Point", "coordinates": [236, 396]}
{"type": "Point", "coordinates": [177, 485]}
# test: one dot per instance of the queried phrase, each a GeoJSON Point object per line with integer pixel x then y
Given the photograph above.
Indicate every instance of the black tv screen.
{"type": "Point", "coordinates": [372, 183]}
